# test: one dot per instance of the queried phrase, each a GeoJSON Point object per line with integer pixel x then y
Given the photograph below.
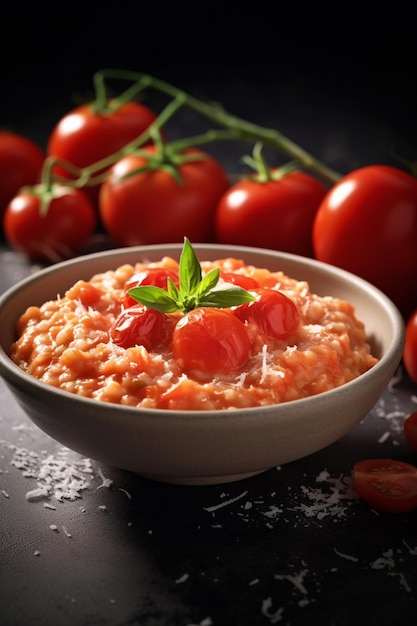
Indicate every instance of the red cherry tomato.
{"type": "Point", "coordinates": [210, 341]}
{"type": "Point", "coordinates": [386, 485]}
{"type": "Point", "coordinates": [21, 162]}
{"type": "Point", "coordinates": [84, 136]}
{"type": "Point", "coordinates": [246, 282]}
{"type": "Point", "coordinates": [158, 277]}
{"type": "Point", "coordinates": [367, 224]}
{"type": "Point", "coordinates": [277, 214]}
{"type": "Point", "coordinates": [274, 313]}
{"type": "Point", "coordinates": [410, 348]}
{"type": "Point", "coordinates": [141, 326]}
{"type": "Point", "coordinates": [410, 430]}
{"type": "Point", "coordinates": [66, 226]}
{"type": "Point", "coordinates": [152, 207]}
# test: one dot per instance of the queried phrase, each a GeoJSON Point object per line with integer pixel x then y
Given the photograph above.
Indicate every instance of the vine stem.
{"type": "Point", "coordinates": [241, 128]}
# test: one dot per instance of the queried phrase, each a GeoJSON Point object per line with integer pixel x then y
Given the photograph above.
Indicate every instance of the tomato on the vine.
{"type": "Point", "coordinates": [410, 347]}
{"type": "Point", "coordinates": [85, 136]}
{"type": "Point", "coordinates": [21, 162]}
{"type": "Point", "coordinates": [410, 430]}
{"type": "Point", "coordinates": [367, 224]}
{"type": "Point", "coordinates": [210, 341]}
{"type": "Point", "coordinates": [273, 312]}
{"type": "Point", "coordinates": [151, 206]}
{"type": "Point", "coordinates": [386, 485]}
{"type": "Point", "coordinates": [276, 214]}
{"type": "Point", "coordinates": [57, 232]}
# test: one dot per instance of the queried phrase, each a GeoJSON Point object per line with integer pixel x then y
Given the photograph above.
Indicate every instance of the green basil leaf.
{"type": "Point", "coordinates": [225, 296]}
{"type": "Point", "coordinates": [173, 290]}
{"type": "Point", "coordinates": [208, 282]}
{"type": "Point", "coordinates": [154, 298]}
{"type": "Point", "coordinates": [194, 290]}
{"type": "Point", "coordinates": [189, 269]}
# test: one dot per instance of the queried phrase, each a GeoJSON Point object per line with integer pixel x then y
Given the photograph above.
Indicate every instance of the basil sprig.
{"type": "Point", "coordinates": [194, 290]}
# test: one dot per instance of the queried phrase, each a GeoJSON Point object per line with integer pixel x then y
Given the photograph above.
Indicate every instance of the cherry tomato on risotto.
{"type": "Point", "coordinates": [386, 485]}
{"type": "Point", "coordinates": [410, 348]}
{"type": "Point", "coordinates": [367, 224]}
{"type": "Point", "coordinates": [246, 282]}
{"type": "Point", "coordinates": [140, 326]}
{"type": "Point", "coordinates": [158, 277]}
{"type": "Point", "coordinates": [21, 162]}
{"type": "Point", "coordinates": [274, 313]}
{"type": "Point", "coordinates": [276, 214]}
{"type": "Point", "coordinates": [210, 341]}
{"type": "Point", "coordinates": [67, 222]}
{"type": "Point", "coordinates": [151, 206]}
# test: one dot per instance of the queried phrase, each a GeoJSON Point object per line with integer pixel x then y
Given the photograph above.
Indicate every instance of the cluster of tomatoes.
{"type": "Point", "coordinates": [205, 340]}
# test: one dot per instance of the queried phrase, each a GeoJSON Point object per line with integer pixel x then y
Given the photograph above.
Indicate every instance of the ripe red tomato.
{"type": "Point", "coordinates": [158, 277]}
{"type": "Point", "coordinates": [410, 348]}
{"type": "Point", "coordinates": [274, 313]}
{"type": "Point", "coordinates": [152, 207]}
{"type": "Point", "coordinates": [410, 430]}
{"type": "Point", "coordinates": [69, 221]}
{"type": "Point", "coordinates": [367, 224]}
{"type": "Point", "coordinates": [21, 162]}
{"type": "Point", "coordinates": [140, 326]}
{"type": "Point", "coordinates": [209, 341]}
{"type": "Point", "coordinates": [84, 136]}
{"type": "Point", "coordinates": [386, 485]}
{"type": "Point", "coordinates": [277, 214]}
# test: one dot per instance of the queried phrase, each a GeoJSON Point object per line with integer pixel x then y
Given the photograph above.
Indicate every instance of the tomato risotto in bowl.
{"type": "Point", "coordinates": [197, 364]}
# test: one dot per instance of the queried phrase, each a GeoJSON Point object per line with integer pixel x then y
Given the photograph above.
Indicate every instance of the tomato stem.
{"type": "Point", "coordinates": [240, 128]}
{"type": "Point", "coordinates": [235, 128]}
{"type": "Point", "coordinates": [244, 129]}
{"type": "Point", "coordinates": [102, 104]}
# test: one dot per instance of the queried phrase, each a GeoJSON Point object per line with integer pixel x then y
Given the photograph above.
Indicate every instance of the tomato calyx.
{"type": "Point", "coordinates": [165, 157]}
{"type": "Point", "coordinates": [194, 290]}
{"type": "Point", "coordinates": [46, 192]}
{"type": "Point", "coordinates": [264, 173]}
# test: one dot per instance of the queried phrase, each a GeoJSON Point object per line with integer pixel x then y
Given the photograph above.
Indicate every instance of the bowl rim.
{"type": "Point", "coordinates": [13, 374]}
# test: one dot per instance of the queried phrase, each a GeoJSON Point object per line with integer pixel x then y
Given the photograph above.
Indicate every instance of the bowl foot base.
{"type": "Point", "coordinates": [202, 480]}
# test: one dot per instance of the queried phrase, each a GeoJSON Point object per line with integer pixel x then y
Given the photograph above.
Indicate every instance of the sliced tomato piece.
{"type": "Point", "coordinates": [387, 485]}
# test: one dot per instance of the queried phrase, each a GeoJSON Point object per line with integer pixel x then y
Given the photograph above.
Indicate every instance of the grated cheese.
{"type": "Point", "coordinates": [61, 476]}
{"type": "Point", "coordinates": [274, 617]}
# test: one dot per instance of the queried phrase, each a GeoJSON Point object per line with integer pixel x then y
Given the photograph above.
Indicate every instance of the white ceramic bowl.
{"type": "Point", "coordinates": [190, 447]}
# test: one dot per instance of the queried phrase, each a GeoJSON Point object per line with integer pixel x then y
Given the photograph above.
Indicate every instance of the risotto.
{"type": "Point", "coordinates": [71, 343]}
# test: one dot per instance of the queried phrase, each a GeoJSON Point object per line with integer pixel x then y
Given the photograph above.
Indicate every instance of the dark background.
{"type": "Point", "coordinates": [342, 87]}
